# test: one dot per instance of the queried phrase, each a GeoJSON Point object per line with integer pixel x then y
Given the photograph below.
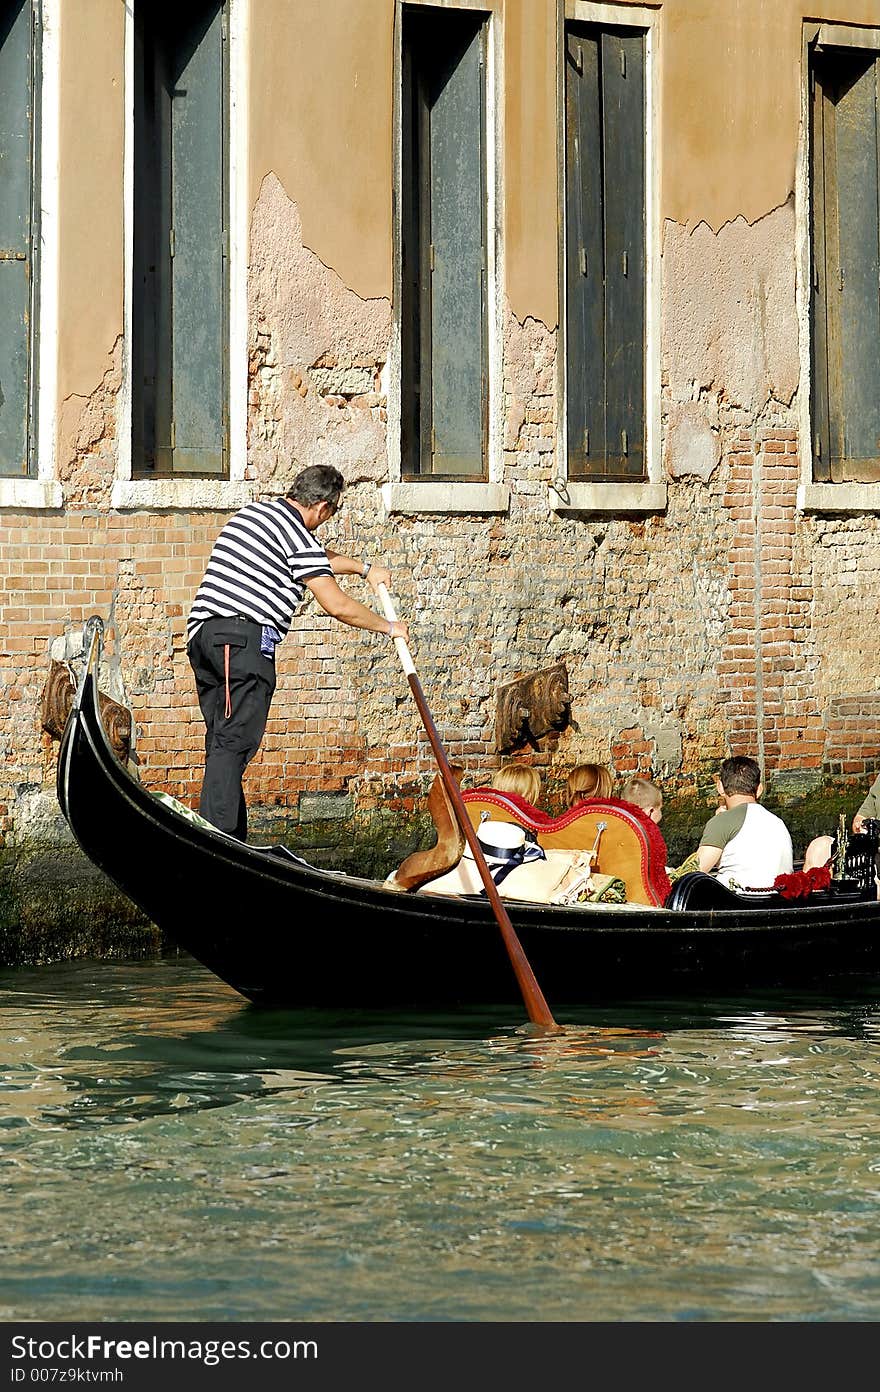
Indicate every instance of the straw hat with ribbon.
{"type": "Point", "coordinates": [504, 846]}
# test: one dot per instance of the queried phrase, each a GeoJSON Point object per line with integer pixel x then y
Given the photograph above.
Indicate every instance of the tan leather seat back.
{"type": "Point", "coordinates": [630, 845]}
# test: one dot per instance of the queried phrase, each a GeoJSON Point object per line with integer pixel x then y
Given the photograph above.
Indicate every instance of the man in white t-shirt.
{"type": "Point", "coordinates": [745, 845]}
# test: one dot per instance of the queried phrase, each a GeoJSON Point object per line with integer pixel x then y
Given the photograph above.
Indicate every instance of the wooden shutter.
{"type": "Point", "coordinates": [846, 267]}
{"type": "Point", "coordinates": [445, 388]}
{"type": "Point", "coordinates": [198, 263]}
{"type": "Point", "coordinates": [180, 417]}
{"type": "Point", "coordinates": [410, 257]}
{"type": "Point", "coordinates": [605, 254]}
{"type": "Point", "coordinates": [623, 113]}
{"type": "Point", "coordinates": [18, 54]}
{"type": "Point", "coordinates": [151, 292]}
{"type": "Point", "coordinates": [584, 256]}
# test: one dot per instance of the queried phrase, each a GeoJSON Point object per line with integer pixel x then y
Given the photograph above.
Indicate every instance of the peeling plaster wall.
{"type": "Point", "coordinates": [88, 438]}
{"type": "Point", "coordinates": [335, 65]}
{"type": "Point", "coordinates": [729, 314]}
{"type": "Point", "coordinates": [529, 160]}
{"type": "Point", "coordinates": [331, 145]}
{"type": "Point", "coordinates": [731, 76]}
{"type": "Point", "coordinates": [92, 134]}
{"type": "Point", "coordinates": [317, 355]}
{"type": "Point", "coordinates": [846, 615]}
{"type": "Point", "coordinates": [729, 85]}
{"type": "Point", "coordinates": [683, 633]}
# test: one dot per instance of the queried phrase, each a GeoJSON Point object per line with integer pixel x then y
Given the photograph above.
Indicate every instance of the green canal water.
{"type": "Point", "coordinates": [168, 1152]}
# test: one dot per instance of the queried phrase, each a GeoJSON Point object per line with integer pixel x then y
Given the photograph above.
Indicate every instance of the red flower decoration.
{"type": "Point", "coordinates": [802, 882]}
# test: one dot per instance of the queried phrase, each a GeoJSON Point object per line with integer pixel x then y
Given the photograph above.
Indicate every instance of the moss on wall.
{"type": "Point", "coordinates": [812, 813]}
{"type": "Point", "coordinates": [55, 906]}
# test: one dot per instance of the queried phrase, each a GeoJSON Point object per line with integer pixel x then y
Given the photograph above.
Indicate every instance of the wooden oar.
{"type": "Point", "coordinates": [536, 1006]}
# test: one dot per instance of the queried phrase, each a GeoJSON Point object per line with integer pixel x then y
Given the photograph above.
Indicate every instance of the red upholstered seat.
{"type": "Point", "coordinates": [631, 845]}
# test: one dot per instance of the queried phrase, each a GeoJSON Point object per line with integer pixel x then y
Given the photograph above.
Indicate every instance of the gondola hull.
{"type": "Point", "coordinates": [286, 934]}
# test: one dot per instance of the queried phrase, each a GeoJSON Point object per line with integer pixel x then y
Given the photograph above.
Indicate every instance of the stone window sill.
{"type": "Point", "coordinates": [155, 495]}
{"type": "Point", "coordinates": [608, 497]}
{"type": "Point", "coordinates": [839, 497]}
{"type": "Point", "coordinates": [445, 497]}
{"type": "Point", "coordinates": [30, 493]}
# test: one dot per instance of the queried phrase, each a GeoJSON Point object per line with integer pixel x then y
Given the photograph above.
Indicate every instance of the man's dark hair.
{"type": "Point", "coordinates": [740, 775]}
{"type": "Point", "coordinates": [319, 483]}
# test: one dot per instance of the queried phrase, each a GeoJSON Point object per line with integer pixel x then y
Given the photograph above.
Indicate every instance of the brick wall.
{"type": "Point", "coordinates": [772, 710]}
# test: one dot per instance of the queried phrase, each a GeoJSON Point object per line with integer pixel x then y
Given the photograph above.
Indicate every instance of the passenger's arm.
{"type": "Point", "coordinates": [870, 807]}
{"type": "Point", "coordinates": [708, 857]}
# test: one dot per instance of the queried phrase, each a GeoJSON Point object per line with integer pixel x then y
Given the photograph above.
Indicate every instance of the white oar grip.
{"type": "Point", "coordinates": [406, 661]}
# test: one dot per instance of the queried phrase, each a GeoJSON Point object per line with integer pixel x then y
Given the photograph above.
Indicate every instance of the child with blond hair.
{"type": "Point", "coordinates": [646, 795]}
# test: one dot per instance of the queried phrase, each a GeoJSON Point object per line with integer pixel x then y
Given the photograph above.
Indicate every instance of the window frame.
{"type": "Point", "coordinates": [39, 489]}
{"type": "Point", "coordinates": [610, 496]}
{"type": "Point", "coordinates": [232, 490]}
{"type": "Point", "coordinates": [405, 493]}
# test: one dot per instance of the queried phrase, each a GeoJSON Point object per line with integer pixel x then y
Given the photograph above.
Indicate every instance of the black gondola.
{"type": "Point", "coordinates": [284, 933]}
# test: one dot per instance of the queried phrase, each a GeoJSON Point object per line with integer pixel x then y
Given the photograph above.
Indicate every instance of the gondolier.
{"type": "Point", "coordinates": [263, 560]}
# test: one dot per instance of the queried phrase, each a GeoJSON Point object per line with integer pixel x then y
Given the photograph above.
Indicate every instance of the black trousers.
{"type": "Point", "coordinates": [234, 710]}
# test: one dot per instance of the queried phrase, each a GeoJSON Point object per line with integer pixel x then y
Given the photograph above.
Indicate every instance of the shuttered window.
{"type": "Point", "coordinates": [443, 244]}
{"type": "Point", "coordinates": [605, 252]}
{"type": "Point", "coordinates": [19, 241]}
{"type": "Point", "coordinates": [179, 299]}
{"type": "Point", "coordinates": [846, 266]}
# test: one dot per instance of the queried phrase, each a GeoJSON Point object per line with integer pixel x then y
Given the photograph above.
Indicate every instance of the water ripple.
{"type": "Point", "coordinates": [170, 1153]}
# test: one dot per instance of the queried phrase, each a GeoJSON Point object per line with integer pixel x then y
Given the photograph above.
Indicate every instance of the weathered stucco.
{"type": "Point", "coordinates": [88, 437]}
{"type": "Point", "coordinates": [730, 334]}
{"type": "Point", "coordinates": [729, 315]}
{"type": "Point", "coordinates": [329, 142]}
{"type": "Point", "coordinates": [730, 84]}
{"type": "Point", "coordinates": [846, 617]}
{"type": "Point", "coordinates": [317, 355]}
{"type": "Point", "coordinates": [529, 160]}
{"type": "Point", "coordinates": [731, 100]}
{"type": "Point", "coordinates": [91, 146]}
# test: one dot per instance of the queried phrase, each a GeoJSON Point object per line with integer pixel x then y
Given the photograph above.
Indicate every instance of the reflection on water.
{"type": "Point", "coordinates": [169, 1152]}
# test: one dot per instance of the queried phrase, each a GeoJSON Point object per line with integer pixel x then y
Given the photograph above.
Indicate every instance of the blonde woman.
{"type": "Point", "coordinates": [521, 779]}
{"type": "Point", "coordinates": [588, 781]}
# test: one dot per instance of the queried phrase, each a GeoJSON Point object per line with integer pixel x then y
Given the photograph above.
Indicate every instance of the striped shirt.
{"type": "Point", "coordinates": [258, 568]}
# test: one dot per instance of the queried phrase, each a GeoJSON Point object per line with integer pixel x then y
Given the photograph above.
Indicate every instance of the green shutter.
{"type": "Point", "coordinates": [17, 240]}
{"type": "Point", "coordinates": [458, 264]}
{"type": "Point", "coordinates": [411, 262]}
{"type": "Point", "coordinates": [846, 251]}
{"type": "Point", "coordinates": [623, 107]}
{"type": "Point", "coordinates": [445, 384]}
{"type": "Point", "coordinates": [821, 442]}
{"type": "Point", "coordinates": [198, 266]}
{"type": "Point", "coordinates": [584, 254]}
{"type": "Point", "coordinates": [180, 419]}
{"type": "Point", "coordinates": [605, 253]}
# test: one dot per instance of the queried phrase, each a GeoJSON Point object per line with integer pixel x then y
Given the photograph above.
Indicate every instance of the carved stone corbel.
{"type": "Point", "coordinates": [531, 706]}
{"type": "Point", "coordinates": [57, 699]}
